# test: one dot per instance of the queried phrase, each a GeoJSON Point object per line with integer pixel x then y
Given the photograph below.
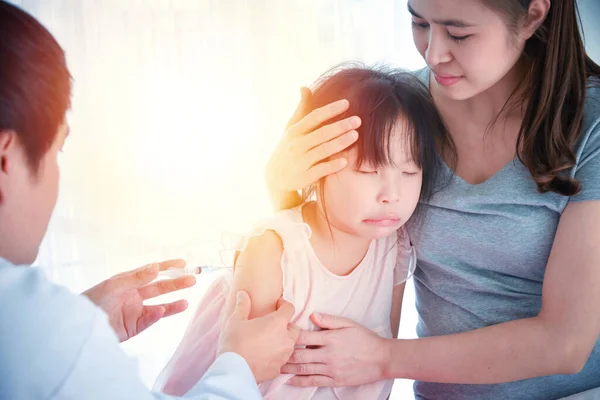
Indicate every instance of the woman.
{"type": "Point", "coordinates": [508, 278]}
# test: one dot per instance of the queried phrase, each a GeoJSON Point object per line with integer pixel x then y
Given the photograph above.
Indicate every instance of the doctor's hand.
{"type": "Point", "coordinates": [122, 297]}
{"type": "Point", "coordinates": [266, 343]}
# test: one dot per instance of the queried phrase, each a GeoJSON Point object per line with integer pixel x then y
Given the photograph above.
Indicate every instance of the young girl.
{"type": "Point", "coordinates": [507, 285]}
{"type": "Point", "coordinates": [343, 251]}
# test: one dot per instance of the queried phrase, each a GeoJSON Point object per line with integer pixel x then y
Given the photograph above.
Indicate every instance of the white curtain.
{"type": "Point", "coordinates": [177, 105]}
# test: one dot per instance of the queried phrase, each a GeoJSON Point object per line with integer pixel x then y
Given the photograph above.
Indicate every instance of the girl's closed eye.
{"type": "Point", "coordinates": [367, 171]}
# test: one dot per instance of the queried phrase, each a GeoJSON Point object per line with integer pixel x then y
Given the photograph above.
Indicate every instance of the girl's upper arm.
{"type": "Point", "coordinates": [258, 272]}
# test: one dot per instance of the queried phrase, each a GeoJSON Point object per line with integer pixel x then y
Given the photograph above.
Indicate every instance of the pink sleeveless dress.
{"type": "Point", "coordinates": [365, 296]}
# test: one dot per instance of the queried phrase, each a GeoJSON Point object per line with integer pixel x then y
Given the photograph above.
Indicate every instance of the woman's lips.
{"type": "Point", "coordinates": [446, 80]}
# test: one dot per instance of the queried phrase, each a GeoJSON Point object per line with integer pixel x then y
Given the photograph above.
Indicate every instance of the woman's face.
{"type": "Point", "coordinates": [468, 46]}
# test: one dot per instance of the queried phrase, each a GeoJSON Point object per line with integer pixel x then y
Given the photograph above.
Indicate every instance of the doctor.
{"type": "Point", "coordinates": [56, 345]}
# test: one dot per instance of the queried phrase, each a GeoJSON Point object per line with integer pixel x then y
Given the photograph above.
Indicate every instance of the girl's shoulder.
{"type": "Point", "coordinates": [288, 225]}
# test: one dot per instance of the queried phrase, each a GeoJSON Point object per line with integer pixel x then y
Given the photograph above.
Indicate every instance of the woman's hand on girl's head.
{"type": "Point", "coordinates": [301, 157]}
{"type": "Point", "coordinates": [344, 353]}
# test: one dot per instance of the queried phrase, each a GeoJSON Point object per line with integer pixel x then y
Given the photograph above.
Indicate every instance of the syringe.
{"type": "Point", "coordinates": [177, 272]}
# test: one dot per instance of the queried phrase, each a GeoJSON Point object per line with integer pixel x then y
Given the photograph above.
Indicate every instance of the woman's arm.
{"type": "Point", "coordinates": [397, 296]}
{"type": "Point", "coordinates": [556, 341]}
{"type": "Point", "coordinates": [284, 200]}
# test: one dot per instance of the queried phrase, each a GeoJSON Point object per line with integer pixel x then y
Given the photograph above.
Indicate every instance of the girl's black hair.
{"type": "Point", "coordinates": [382, 96]}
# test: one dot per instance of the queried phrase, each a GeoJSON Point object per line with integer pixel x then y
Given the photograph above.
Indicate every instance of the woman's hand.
{"type": "Point", "coordinates": [302, 155]}
{"type": "Point", "coordinates": [343, 354]}
{"type": "Point", "coordinates": [122, 297]}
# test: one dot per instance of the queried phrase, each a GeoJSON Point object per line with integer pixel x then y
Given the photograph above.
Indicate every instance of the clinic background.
{"type": "Point", "coordinates": [177, 105]}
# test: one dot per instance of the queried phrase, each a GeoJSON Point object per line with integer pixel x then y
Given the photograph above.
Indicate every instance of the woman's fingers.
{"type": "Point", "coordinates": [302, 108]}
{"type": "Point", "coordinates": [327, 322]}
{"type": "Point", "coordinates": [317, 117]}
{"type": "Point", "coordinates": [323, 169]}
{"type": "Point", "coordinates": [311, 381]}
{"type": "Point", "coordinates": [312, 338]}
{"type": "Point", "coordinates": [328, 149]}
{"type": "Point", "coordinates": [303, 154]}
{"type": "Point", "coordinates": [307, 356]}
{"type": "Point", "coordinates": [328, 132]}
{"type": "Point", "coordinates": [305, 369]}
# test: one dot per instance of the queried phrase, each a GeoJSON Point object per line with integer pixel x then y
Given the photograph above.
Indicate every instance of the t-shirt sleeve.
{"type": "Point", "coordinates": [588, 154]}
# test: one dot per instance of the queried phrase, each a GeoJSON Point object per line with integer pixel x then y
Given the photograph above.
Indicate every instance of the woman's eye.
{"type": "Point", "coordinates": [420, 25]}
{"type": "Point", "coordinates": [458, 38]}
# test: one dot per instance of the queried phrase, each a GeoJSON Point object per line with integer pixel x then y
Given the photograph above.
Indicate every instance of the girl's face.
{"type": "Point", "coordinates": [468, 46]}
{"type": "Point", "coordinates": [373, 202]}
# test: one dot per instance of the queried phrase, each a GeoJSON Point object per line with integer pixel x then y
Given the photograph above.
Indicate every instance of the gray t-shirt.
{"type": "Point", "coordinates": [482, 253]}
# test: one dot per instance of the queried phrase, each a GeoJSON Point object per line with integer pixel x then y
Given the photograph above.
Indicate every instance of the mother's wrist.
{"type": "Point", "coordinates": [395, 361]}
{"type": "Point", "coordinates": [283, 200]}
{"type": "Point", "coordinates": [385, 361]}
